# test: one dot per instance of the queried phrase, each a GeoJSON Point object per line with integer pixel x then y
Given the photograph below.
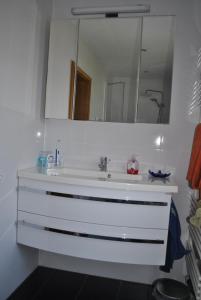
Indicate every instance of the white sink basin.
{"type": "Point", "coordinates": [90, 178]}
{"type": "Point", "coordinates": [94, 175]}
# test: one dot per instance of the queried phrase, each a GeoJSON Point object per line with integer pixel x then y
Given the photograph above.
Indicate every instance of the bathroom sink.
{"type": "Point", "coordinates": [98, 179]}
{"type": "Point", "coordinates": [95, 175]}
{"type": "Point", "coordinates": [115, 176]}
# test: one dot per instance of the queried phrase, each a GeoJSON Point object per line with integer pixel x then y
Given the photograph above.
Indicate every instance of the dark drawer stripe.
{"type": "Point", "coordinates": [108, 238]}
{"type": "Point", "coordinates": [136, 202]}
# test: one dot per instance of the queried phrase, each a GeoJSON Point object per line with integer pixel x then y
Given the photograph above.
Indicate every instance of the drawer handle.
{"type": "Point", "coordinates": [30, 224]}
{"type": "Point", "coordinates": [93, 236]}
{"type": "Point", "coordinates": [102, 237]}
{"type": "Point", "coordinates": [108, 200]}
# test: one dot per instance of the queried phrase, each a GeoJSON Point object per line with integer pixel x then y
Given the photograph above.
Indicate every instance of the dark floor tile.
{"type": "Point", "coordinates": [134, 291]}
{"type": "Point", "coordinates": [97, 288]}
{"type": "Point", "coordinates": [62, 285]}
{"type": "Point", "coordinates": [32, 284]}
{"type": "Point", "coordinates": [45, 283]}
{"type": "Point", "coordinates": [150, 293]}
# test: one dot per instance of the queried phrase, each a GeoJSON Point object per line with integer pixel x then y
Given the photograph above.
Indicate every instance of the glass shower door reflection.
{"type": "Point", "coordinates": [115, 102]}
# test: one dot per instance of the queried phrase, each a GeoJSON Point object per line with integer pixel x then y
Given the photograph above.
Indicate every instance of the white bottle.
{"type": "Point", "coordinates": [58, 160]}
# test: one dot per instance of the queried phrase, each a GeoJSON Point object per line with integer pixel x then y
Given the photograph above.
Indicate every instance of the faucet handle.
{"type": "Point", "coordinates": [103, 159]}
{"type": "Point", "coordinates": [103, 163]}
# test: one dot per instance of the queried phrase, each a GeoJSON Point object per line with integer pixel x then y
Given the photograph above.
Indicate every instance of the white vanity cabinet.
{"type": "Point", "coordinates": [102, 223]}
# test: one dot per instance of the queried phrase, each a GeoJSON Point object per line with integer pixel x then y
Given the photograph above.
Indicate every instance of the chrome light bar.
{"type": "Point", "coordinates": [139, 8]}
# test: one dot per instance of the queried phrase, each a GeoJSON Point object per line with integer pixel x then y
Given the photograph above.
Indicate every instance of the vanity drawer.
{"type": "Point", "coordinates": [99, 242]}
{"type": "Point", "coordinates": [135, 213]}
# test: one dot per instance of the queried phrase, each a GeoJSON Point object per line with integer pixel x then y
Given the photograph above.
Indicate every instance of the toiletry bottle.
{"type": "Point", "coordinates": [45, 160]}
{"type": "Point", "coordinates": [136, 166]}
{"type": "Point", "coordinates": [58, 161]}
{"type": "Point", "coordinates": [133, 166]}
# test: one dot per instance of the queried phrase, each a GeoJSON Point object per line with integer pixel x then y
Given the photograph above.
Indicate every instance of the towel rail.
{"type": "Point", "coordinates": [194, 281]}
{"type": "Point", "coordinates": [196, 288]}
{"type": "Point", "coordinates": [196, 240]}
{"type": "Point", "coordinates": [193, 259]}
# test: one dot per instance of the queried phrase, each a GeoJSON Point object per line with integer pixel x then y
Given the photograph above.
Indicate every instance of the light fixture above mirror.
{"type": "Point", "coordinates": [138, 8]}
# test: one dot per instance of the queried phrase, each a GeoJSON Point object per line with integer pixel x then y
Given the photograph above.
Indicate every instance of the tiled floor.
{"type": "Point", "coordinates": [49, 284]}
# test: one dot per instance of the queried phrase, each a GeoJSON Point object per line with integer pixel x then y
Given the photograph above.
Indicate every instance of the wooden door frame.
{"type": "Point", "coordinates": [74, 70]}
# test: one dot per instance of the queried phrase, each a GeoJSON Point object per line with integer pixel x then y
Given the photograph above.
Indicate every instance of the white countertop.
{"type": "Point", "coordinates": [93, 178]}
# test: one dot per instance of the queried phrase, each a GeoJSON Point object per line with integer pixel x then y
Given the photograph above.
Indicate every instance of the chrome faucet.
{"type": "Point", "coordinates": [103, 164]}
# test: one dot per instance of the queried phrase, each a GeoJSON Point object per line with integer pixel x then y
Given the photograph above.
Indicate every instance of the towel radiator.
{"type": "Point", "coordinates": [193, 260]}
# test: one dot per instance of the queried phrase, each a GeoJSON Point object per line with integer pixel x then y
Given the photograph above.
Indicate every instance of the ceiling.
{"type": "Point", "coordinates": [113, 42]}
{"type": "Point", "coordinates": [116, 44]}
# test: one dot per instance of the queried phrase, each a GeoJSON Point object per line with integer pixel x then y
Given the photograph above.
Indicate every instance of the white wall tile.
{"type": "Point", "coordinates": [16, 262]}
{"type": "Point", "coordinates": [23, 57]}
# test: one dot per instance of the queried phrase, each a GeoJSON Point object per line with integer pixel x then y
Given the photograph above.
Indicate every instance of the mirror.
{"type": "Point", "coordinates": [155, 78]}
{"type": "Point", "coordinates": [123, 71]}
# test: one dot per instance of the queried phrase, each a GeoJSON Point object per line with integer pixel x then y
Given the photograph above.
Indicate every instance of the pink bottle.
{"type": "Point", "coordinates": [133, 167]}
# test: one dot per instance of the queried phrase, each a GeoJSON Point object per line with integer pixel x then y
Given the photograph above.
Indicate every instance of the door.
{"type": "Point", "coordinates": [82, 94]}
{"type": "Point", "coordinates": [115, 102]}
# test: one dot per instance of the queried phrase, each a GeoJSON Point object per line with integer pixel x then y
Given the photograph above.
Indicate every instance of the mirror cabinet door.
{"type": "Point", "coordinates": [156, 70]}
{"type": "Point", "coordinates": [108, 55]}
{"type": "Point", "coordinates": [62, 51]}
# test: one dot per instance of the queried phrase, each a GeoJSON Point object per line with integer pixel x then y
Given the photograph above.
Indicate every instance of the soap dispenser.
{"type": "Point", "coordinates": [133, 166]}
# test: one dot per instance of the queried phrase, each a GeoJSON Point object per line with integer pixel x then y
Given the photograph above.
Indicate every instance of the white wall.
{"type": "Point", "coordinates": [89, 63]}
{"type": "Point", "coordinates": [23, 54]}
{"type": "Point", "coordinates": [87, 141]}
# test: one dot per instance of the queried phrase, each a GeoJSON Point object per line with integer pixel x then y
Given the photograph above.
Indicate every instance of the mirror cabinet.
{"type": "Point", "coordinates": [111, 69]}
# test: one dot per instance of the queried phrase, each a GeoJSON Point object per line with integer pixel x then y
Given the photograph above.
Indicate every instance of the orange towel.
{"type": "Point", "coordinates": [194, 169]}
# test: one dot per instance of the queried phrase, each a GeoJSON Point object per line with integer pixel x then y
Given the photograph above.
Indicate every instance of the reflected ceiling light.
{"type": "Point", "coordinates": [139, 8]}
{"type": "Point", "coordinates": [159, 141]}
{"type": "Point", "coordinates": [38, 134]}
